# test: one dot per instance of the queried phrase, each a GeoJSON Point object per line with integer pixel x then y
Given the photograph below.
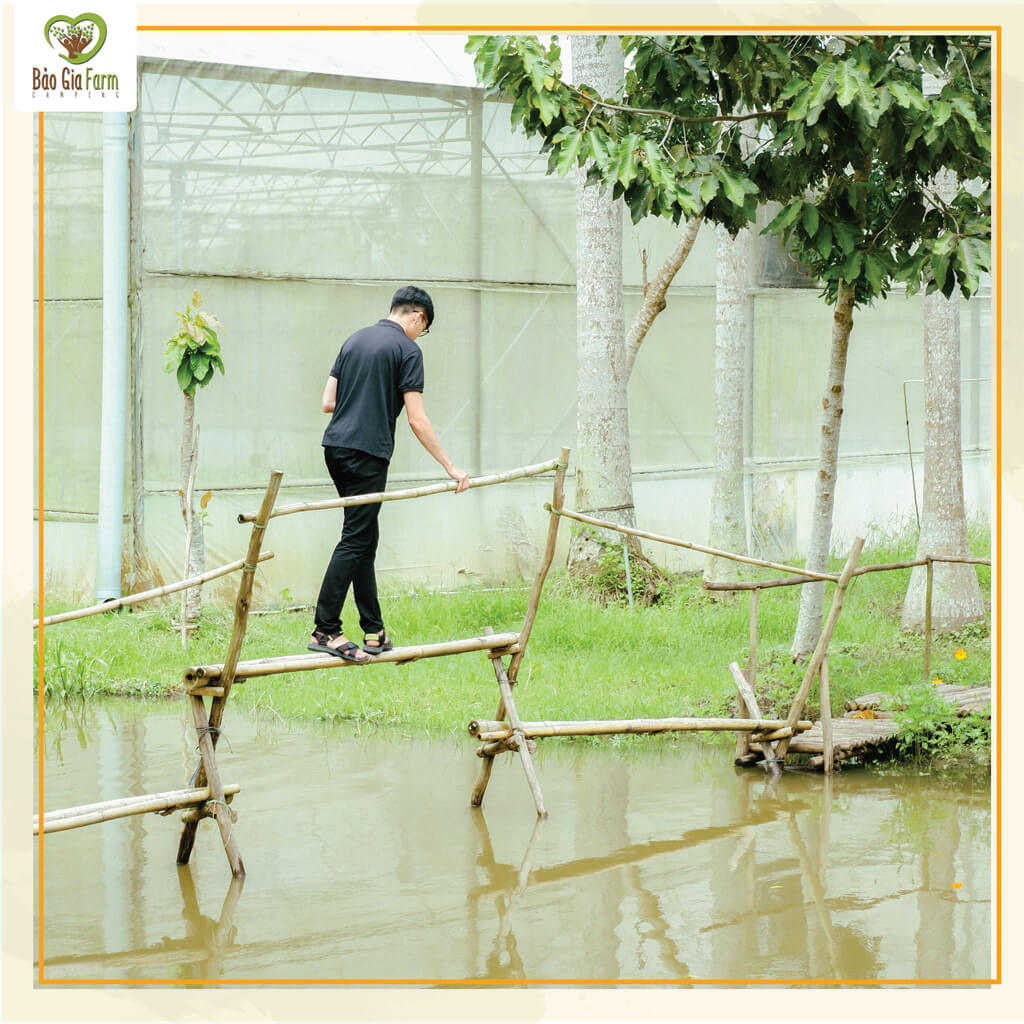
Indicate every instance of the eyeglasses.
{"type": "Point", "coordinates": [426, 330]}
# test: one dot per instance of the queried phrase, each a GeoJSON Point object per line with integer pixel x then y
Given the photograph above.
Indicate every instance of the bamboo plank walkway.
{"type": "Point", "coordinates": [964, 699]}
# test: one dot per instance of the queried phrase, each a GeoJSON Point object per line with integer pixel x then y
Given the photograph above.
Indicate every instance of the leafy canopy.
{"type": "Point", "coordinates": [194, 352]}
{"type": "Point", "coordinates": [841, 131]}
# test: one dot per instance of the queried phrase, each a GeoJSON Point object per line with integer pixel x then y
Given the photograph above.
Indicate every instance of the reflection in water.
{"type": "Point", "coordinates": [365, 862]}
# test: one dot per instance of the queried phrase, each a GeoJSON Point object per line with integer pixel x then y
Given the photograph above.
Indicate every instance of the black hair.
{"type": "Point", "coordinates": [410, 299]}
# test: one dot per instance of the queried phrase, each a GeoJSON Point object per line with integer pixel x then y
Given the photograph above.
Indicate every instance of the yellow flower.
{"type": "Point", "coordinates": [936, 681]}
{"type": "Point", "coordinates": [960, 654]}
{"type": "Point", "coordinates": [197, 300]}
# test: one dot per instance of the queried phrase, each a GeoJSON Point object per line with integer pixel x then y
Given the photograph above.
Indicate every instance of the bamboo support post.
{"type": "Point", "coordinates": [612, 727]}
{"type": "Point", "coordinates": [412, 492]}
{"type": "Point", "coordinates": [929, 581]}
{"type": "Point", "coordinates": [148, 595]}
{"type": "Point", "coordinates": [221, 812]}
{"type": "Point", "coordinates": [111, 810]}
{"type": "Point", "coordinates": [557, 497]}
{"type": "Point", "coordinates": [772, 761]}
{"type": "Point", "coordinates": [823, 641]}
{"type": "Point", "coordinates": [743, 738]}
{"type": "Point", "coordinates": [825, 698]}
{"type": "Point", "coordinates": [208, 728]}
{"type": "Point", "coordinates": [505, 686]}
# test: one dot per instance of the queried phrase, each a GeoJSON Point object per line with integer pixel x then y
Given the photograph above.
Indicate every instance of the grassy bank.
{"type": "Point", "coordinates": [583, 661]}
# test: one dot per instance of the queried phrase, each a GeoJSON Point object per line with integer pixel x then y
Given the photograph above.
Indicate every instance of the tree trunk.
{"type": "Point", "coordinates": [956, 595]}
{"type": "Point", "coordinates": [195, 547]}
{"type": "Point", "coordinates": [812, 595]}
{"type": "Point", "coordinates": [604, 481]}
{"type": "Point", "coordinates": [728, 528]}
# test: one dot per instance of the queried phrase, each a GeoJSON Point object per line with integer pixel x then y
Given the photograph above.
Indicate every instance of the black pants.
{"type": "Point", "coordinates": [352, 563]}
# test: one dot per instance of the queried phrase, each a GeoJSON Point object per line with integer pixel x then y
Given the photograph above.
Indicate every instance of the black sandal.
{"type": "Point", "coordinates": [383, 642]}
{"type": "Point", "coordinates": [347, 651]}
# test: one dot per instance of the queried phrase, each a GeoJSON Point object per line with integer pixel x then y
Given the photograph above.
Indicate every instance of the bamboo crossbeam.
{"type": "Point", "coordinates": [643, 534]}
{"type": "Point", "coordinates": [412, 492]}
{"type": "Point", "coordinates": [201, 675]}
{"type": "Point", "coordinates": [148, 595]}
{"type": "Point", "coordinates": [797, 580]}
{"type": "Point", "coordinates": [640, 725]}
{"type": "Point", "coordinates": [109, 810]}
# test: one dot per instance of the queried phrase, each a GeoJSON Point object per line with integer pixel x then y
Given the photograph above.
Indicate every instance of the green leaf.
{"type": "Point", "coordinates": [823, 240]}
{"type": "Point", "coordinates": [851, 269]}
{"type": "Point", "coordinates": [941, 112]}
{"type": "Point", "coordinates": [809, 218]}
{"type": "Point", "coordinates": [548, 105]}
{"type": "Point", "coordinates": [172, 356]}
{"type": "Point", "coordinates": [199, 364]}
{"type": "Point", "coordinates": [572, 144]}
{"type": "Point", "coordinates": [736, 187]}
{"type": "Point", "coordinates": [785, 218]}
{"type": "Point", "coordinates": [600, 146]}
{"type": "Point", "coordinates": [846, 235]}
{"type": "Point", "coordinates": [875, 272]}
{"type": "Point", "coordinates": [708, 188]}
{"type": "Point", "coordinates": [624, 165]}
{"type": "Point", "coordinates": [184, 375]}
{"type": "Point", "coordinates": [218, 362]}
{"type": "Point", "coordinates": [846, 80]}
{"type": "Point", "coordinates": [973, 261]}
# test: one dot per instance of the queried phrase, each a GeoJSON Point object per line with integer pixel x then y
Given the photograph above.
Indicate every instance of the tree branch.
{"type": "Point", "coordinates": [654, 296]}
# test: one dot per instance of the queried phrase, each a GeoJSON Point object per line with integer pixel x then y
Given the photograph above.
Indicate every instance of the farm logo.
{"type": "Point", "coordinates": [75, 36]}
{"type": "Point", "coordinates": [76, 62]}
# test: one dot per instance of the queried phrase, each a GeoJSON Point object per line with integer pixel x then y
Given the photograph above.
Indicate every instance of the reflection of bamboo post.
{"type": "Point", "coordinates": [823, 641]}
{"type": "Point", "coordinates": [825, 698]}
{"type": "Point", "coordinates": [209, 728]}
{"type": "Point", "coordinates": [557, 498]}
{"type": "Point", "coordinates": [742, 738]}
{"type": "Point", "coordinates": [929, 576]}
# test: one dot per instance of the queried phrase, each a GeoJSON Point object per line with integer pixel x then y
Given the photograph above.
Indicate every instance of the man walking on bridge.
{"type": "Point", "coordinates": [377, 374]}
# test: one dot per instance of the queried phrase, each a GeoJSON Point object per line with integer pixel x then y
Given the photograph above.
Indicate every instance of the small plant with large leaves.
{"type": "Point", "coordinates": [194, 352]}
{"type": "Point", "coordinates": [192, 355]}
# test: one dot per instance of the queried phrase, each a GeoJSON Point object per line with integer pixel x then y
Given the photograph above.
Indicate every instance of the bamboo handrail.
{"type": "Point", "coordinates": [109, 810]}
{"type": "Point", "coordinates": [638, 725]}
{"type": "Point", "coordinates": [307, 662]}
{"type": "Point", "coordinates": [413, 492]}
{"type": "Point", "coordinates": [148, 595]}
{"type": "Point", "coordinates": [632, 532]}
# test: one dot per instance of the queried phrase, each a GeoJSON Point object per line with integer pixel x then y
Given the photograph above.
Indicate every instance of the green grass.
{"type": "Point", "coordinates": [583, 660]}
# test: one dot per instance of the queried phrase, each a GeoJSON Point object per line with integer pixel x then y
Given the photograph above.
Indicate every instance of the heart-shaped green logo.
{"type": "Point", "coordinates": [77, 35]}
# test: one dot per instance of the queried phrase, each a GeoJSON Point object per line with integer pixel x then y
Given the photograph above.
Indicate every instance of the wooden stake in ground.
{"type": "Point", "coordinates": [747, 698]}
{"type": "Point", "coordinates": [208, 728]}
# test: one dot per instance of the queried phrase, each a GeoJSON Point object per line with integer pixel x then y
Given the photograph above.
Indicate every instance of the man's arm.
{"type": "Point", "coordinates": [426, 436]}
{"type": "Point", "coordinates": [330, 395]}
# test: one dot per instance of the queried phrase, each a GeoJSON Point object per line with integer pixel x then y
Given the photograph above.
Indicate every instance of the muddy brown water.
{"type": "Point", "coordinates": [364, 861]}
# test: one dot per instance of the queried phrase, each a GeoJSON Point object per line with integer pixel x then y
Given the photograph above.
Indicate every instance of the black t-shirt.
{"type": "Point", "coordinates": [374, 369]}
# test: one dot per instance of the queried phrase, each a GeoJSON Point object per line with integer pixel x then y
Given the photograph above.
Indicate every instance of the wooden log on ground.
{"type": "Point", "coordinates": [202, 675]}
{"type": "Point", "coordinates": [821, 648]}
{"type": "Point", "coordinates": [148, 595]}
{"type": "Point", "coordinates": [641, 726]}
{"type": "Point", "coordinates": [557, 496]}
{"type": "Point", "coordinates": [124, 807]}
{"type": "Point", "coordinates": [412, 492]}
